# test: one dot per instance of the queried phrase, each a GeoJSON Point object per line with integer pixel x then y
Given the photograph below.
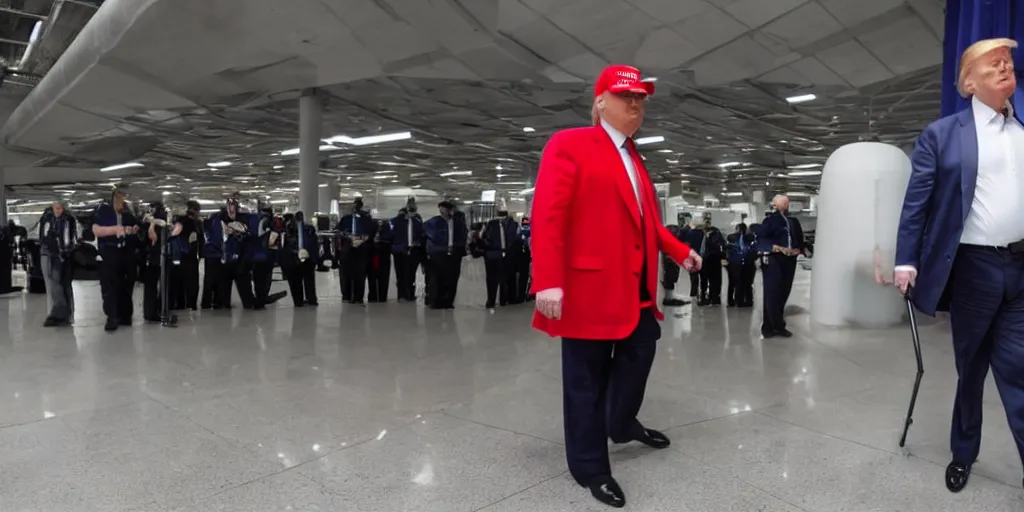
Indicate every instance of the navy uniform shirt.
{"type": "Point", "coordinates": [105, 216]}
{"type": "Point", "coordinates": [493, 240]}
{"type": "Point", "coordinates": [779, 230]}
{"type": "Point", "coordinates": [439, 240]}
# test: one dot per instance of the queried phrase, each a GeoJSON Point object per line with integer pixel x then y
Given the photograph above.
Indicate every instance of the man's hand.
{"type": "Point", "coordinates": [549, 303]}
{"type": "Point", "coordinates": [693, 262]}
{"type": "Point", "coordinates": [119, 231]}
{"type": "Point", "coordinates": [904, 278]}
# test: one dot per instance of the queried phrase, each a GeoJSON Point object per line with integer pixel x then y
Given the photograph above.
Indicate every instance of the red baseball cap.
{"type": "Point", "coordinates": [619, 78]}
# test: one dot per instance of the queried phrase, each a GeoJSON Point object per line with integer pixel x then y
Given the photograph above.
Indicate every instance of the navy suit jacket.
{"type": "Point", "coordinates": [943, 175]}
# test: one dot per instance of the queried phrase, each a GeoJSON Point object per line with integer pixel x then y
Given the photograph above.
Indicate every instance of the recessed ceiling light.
{"type": "Point", "coordinates": [804, 173]}
{"type": "Point", "coordinates": [650, 79]}
{"type": "Point", "coordinates": [456, 173]}
{"type": "Point", "coordinates": [801, 98]}
{"type": "Point", "coordinates": [218, 164]}
{"type": "Point", "coordinates": [732, 194]}
{"type": "Point", "coordinates": [370, 139]}
{"type": "Point", "coordinates": [669, 161]}
{"type": "Point", "coordinates": [118, 167]}
{"type": "Point", "coordinates": [804, 166]}
{"type": "Point", "coordinates": [498, 167]}
{"type": "Point", "coordinates": [664, 151]}
{"type": "Point", "coordinates": [649, 140]}
{"type": "Point", "coordinates": [726, 165]}
{"type": "Point", "coordinates": [528, 129]}
{"type": "Point", "coordinates": [278, 167]}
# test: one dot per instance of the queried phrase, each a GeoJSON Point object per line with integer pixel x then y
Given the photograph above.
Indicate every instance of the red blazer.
{"type": "Point", "coordinates": [586, 236]}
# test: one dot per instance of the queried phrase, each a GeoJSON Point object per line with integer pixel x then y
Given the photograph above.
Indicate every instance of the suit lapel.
{"type": "Point", "coordinates": [968, 160]}
{"type": "Point", "coordinates": [606, 148]}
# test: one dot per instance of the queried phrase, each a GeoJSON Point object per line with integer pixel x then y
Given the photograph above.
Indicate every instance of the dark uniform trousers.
{"type": "Point", "coordinates": [117, 282]}
{"type": "Point", "coordinates": [741, 284]}
{"type": "Point", "coordinates": [236, 273]}
{"type": "Point", "coordinates": [443, 283]}
{"type": "Point", "coordinates": [354, 262]}
{"type": "Point", "coordinates": [262, 278]}
{"type": "Point", "coordinates": [502, 279]}
{"type": "Point", "coordinates": [301, 276]}
{"type": "Point", "coordinates": [777, 274]}
{"type": "Point", "coordinates": [190, 276]}
{"type": "Point", "coordinates": [406, 265]}
{"type": "Point", "coordinates": [212, 270]}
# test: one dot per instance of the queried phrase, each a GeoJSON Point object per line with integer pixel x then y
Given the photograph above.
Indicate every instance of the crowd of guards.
{"type": "Point", "coordinates": [238, 251]}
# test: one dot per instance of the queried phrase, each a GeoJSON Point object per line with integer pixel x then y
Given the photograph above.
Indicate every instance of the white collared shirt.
{"type": "Point", "coordinates": [619, 139]}
{"type": "Point", "coordinates": [995, 216]}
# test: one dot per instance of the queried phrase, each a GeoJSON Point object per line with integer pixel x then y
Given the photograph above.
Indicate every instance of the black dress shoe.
{"type": "Point", "coordinates": [111, 325]}
{"type": "Point", "coordinates": [785, 333]}
{"type": "Point", "coordinates": [957, 474]}
{"type": "Point", "coordinates": [651, 437]}
{"type": "Point", "coordinates": [607, 491]}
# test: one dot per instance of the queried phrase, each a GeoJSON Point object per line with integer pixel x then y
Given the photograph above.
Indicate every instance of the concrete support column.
{"type": "Point", "coordinates": [310, 126]}
{"type": "Point", "coordinates": [327, 193]}
{"type": "Point", "coordinates": [3, 200]}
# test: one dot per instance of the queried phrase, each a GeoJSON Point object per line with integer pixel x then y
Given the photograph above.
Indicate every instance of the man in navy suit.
{"type": "Point", "coordinates": [780, 239]}
{"type": "Point", "coordinates": [961, 243]}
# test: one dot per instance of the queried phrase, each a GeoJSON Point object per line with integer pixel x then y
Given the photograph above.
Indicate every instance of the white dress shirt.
{"type": "Point", "coordinates": [627, 160]}
{"type": "Point", "coordinates": [995, 216]}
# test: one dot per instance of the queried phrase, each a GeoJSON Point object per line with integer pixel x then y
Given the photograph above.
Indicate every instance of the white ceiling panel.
{"type": "Point", "coordinates": [738, 60]}
{"type": "Point", "coordinates": [605, 26]}
{"type": "Point", "coordinates": [800, 27]}
{"type": "Point", "coordinates": [816, 72]}
{"type": "Point", "coordinates": [755, 13]}
{"type": "Point", "coordinates": [665, 49]}
{"type": "Point", "coordinates": [545, 39]}
{"type": "Point", "coordinates": [904, 46]}
{"type": "Point", "coordinates": [854, 12]}
{"type": "Point", "coordinates": [785, 76]}
{"type": "Point", "coordinates": [512, 14]}
{"type": "Point", "coordinates": [855, 64]}
{"type": "Point", "coordinates": [710, 29]}
{"type": "Point", "coordinates": [671, 11]}
{"type": "Point", "coordinates": [585, 64]}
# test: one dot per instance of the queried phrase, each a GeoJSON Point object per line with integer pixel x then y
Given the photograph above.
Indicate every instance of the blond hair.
{"type": "Point", "coordinates": [975, 51]}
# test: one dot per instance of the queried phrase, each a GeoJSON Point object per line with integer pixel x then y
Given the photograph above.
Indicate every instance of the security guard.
{"type": "Point", "coordinates": [780, 240]}
{"type": "Point", "coordinates": [299, 252]}
{"type": "Point", "coordinates": [116, 231]}
{"type": "Point", "coordinates": [190, 242]}
{"type": "Point", "coordinates": [446, 245]}
{"type": "Point", "coordinates": [356, 229]}
{"type": "Point", "coordinates": [212, 267]}
{"type": "Point", "coordinates": [502, 250]}
{"type": "Point", "coordinates": [155, 227]}
{"type": "Point", "coordinates": [713, 252]}
{"type": "Point", "coordinates": [226, 240]}
{"type": "Point", "coordinates": [258, 255]}
{"type": "Point", "coordinates": [741, 255]}
{"type": "Point", "coordinates": [379, 269]}
{"type": "Point", "coordinates": [407, 247]}
{"type": "Point", "coordinates": [523, 266]}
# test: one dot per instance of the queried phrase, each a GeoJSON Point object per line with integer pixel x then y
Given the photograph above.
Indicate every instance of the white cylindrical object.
{"type": "Point", "coordinates": [862, 188]}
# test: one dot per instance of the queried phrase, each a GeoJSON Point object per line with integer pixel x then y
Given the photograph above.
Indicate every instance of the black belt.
{"type": "Point", "coordinates": [1014, 248]}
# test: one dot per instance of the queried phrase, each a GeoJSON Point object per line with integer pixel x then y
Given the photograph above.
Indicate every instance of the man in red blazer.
{"type": "Point", "coordinates": [596, 288]}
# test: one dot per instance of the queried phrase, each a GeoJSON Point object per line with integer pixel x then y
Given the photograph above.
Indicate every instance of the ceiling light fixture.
{"type": "Point", "coordinates": [369, 139]}
{"type": "Point", "coordinates": [797, 194]}
{"type": "Point", "coordinates": [804, 173]}
{"type": "Point", "coordinates": [498, 167]}
{"type": "Point", "coordinates": [649, 140]}
{"type": "Point", "coordinates": [278, 167]}
{"type": "Point", "coordinates": [804, 166]}
{"type": "Point", "coordinates": [456, 173]}
{"type": "Point", "coordinates": [803, 98]}
{"type": "Point", "coordinates": [528, 129]}
{"type": "Point", "coordinates": [118, 167]}
{"type": "Point", "coordinates": [726, 165]}
{"type": "Point", "coordinates": [526, 192]}
{"type": "Point", "coordinates": [217, 165]}
{"type": "Point", "coordinates": [732, 194]}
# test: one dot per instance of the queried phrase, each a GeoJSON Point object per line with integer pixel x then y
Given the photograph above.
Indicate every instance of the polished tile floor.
{"type": "Point", "coordinates": [393, 408]}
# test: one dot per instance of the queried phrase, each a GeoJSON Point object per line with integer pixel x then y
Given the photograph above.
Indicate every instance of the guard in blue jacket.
{"type": "Point", "coordinates": [229, 229]}
{"type": "Point", "coordinates": [741, 253]}
{"type": "Point", "coordinates": [259, 255]}
{"type": "Point", "coordinates": [502, 250]}
{"type": "Point", "coordinates": [446, 245]}
{"type": "Point", "coordinates": [299, 258]}
{"type": "Point", "coordinates": [780, 240]}
{"type": "Point", "coordinates": [357, 230]}
{"type": "Point", "coordinates": [116, 231]}
{"type": "Point", "coordinates": [408, 240]}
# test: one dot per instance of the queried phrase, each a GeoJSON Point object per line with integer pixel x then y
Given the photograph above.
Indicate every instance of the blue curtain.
{"type": "Point", "coordinates": [968, 21]}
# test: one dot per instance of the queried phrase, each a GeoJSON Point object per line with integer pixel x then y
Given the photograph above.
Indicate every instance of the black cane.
{"type": "Point", "coordinates": [920, 370]}
{"type": "Point", "coordinates": [166, 318]}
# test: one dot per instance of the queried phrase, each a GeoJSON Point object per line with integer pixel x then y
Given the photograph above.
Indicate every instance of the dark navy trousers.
{"type": "Point", "coordinates": [603, 383]}
{"type": "Point", "coordinates": [987, 320]}
{"type": "Point", "coordinates": [777, 273]}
